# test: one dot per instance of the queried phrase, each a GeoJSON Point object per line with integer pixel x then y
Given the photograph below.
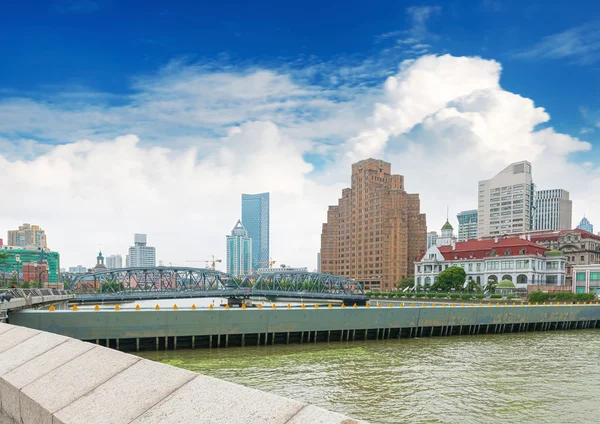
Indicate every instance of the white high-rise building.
{"type": "Point", "coordinates": [553, 210]}
{"type": "Point", "coordinates": [431, 238]}
{"type": "Point", "coordinates": [141, 255]}
{"type": "Point", "coordinates": [506, 201]}
{"type": "Point", "coordinates": [114, 261]}
{"type": "Point", "coordinates": [467, 225]}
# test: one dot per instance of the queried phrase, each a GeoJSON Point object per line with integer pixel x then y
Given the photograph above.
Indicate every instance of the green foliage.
{"type": "Point", "coordinates": [451, 278]}
{"type": "Point", "coordinates": [511, 296]}
{"type": "Point", "coordinates": [473, 286]}
{"type": "Point", "coordinates": [24, 285]}
{"type": "Point", "coordinates": [112, 287]}
{"type": "Point", "coordinates": [538, 296]}
{"type": "Point", "coordinates": [406, 282]}
{"type": "Point", "coordinates": [584, 297]}
{"type": "Point", "coordinates": [563, 296]}
{"type": "Point", "coordinates": [409, 295]}
{"type": "Point", "coordinates": [466, 296]}
{"type": "Point", "coordinates": [400, 294]}
{"type": "Point", "coordinates": [431, 295]}
{"type": "Point", "coordinates": [496, 296]}
{"type": "Point", "coordinates": [455, 295]}
{"type": "Point", "coordinates": [479, 296]}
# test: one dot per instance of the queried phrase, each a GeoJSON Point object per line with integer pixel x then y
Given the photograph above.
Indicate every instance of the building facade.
{"type": "Point", "coordinates": [140, 254]}
{"type": "Point", "coordinates": [586, 278]}
{"type": "Point", "coordinates": [431, 238]}
{"type": "Point", "coordinates": [585, 225]}
{"type": "Point", "coordinates": [79, 269]}
{"type": "Point", "coordinates": [255, 218]}
{"type": "Point", "coordinates": [376, 231]}
{"type": "Point", "coordinates": [553, 210]}
{"type": "Point", "coordinates": [35, 272]}
{"type": "Point", "coordinates": [467, 225]}
{"type": "Point", "coordinates": [579, 246]}
{"type": "Point", "coordinates": [282, 268]}
{"type": "Point", "coordinates": [114, 261]}
{"type": "Point", "coordinates": [505, 202]}
{"type": "Point", "coordinates": [16, 257]}
{"type": "Point", "coordinates": [515, 259]}
{"type": "Point", "coordinates": [239, 251]}
{"type": "Point", "coordinates": [27, 235]}
{"type": "Point", "coordinates": [447, 238]}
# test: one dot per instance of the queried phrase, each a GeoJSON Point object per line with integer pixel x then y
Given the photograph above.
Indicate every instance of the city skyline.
{"type": "Point", "coordinates": [141, 122]}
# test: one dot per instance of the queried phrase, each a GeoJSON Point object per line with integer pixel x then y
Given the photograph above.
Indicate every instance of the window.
{"type": "Point", "coordinates": [580, 276]}
{"type": "Point", "coordinates": [522, 264]}
{"type": "Point", "coordinates": [508, 264]}
{"type": "Point", "coordinates": [507, 252]}
{"type": "Point", "coordinates": [594, 276]}
{"type": "Point", "coordinates": [582, 258]}
{"type": "Point", "coordinates": [470, 267]}
{"type": "Point", "coordinates": [552, 265]}
{"type": "Point", "coordinates": [493, 265]}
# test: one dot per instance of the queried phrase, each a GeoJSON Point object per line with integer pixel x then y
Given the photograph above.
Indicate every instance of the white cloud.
{"type": "Point", "coordinates": [444, 122]}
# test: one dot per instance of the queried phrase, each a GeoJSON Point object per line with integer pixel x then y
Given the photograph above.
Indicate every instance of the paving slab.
{"type": "Point", "coordinates": [5, 327]}
{"type": "Point", "coordinates": [12, 382]}
{"type": "Point", "coordinates": [311, 414]}
{"type": "Point", "coordinates": [67, 383]}
{"type": "Point", "coordinates": [27, 350]}
{"type": "Point", "coordinates": [15, 336]}
{"type": "Point", "coordinates": [208, 400]}
{"type": "Point", "coordinates": [125, 396]}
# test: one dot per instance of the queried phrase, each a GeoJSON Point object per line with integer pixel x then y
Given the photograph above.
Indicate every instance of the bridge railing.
{"type": "Point", "coordinates": [24, 293]}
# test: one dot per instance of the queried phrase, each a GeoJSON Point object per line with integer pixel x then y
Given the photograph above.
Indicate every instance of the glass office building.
{"type": "Point", "coordinates": [255, 218]}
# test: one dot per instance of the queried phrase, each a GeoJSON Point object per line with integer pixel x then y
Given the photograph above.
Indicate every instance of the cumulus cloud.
{"type": "Point", "coordinates": [444, 122]}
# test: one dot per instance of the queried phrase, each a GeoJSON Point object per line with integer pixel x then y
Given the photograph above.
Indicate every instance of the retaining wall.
{"type": "Point", "coordinates": [51, 379]}
{"type": "Point", "coordinates": [158, 329]}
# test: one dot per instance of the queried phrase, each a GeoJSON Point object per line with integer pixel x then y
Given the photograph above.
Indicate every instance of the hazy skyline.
{"type": "Point", "coordinates": [111, 126]}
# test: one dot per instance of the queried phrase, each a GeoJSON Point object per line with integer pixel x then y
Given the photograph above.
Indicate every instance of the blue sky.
{"type": "Point", "coordinates": [184, 75]}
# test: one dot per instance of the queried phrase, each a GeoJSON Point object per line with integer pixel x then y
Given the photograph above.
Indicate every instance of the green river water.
{"type": "Point", "coordinates": [544, 377]}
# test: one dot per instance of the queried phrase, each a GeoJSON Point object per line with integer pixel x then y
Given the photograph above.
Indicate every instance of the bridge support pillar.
{"type": "Point", "coordinates": [193, 342]}
{"type": "Point", "coordinates": [243, 340]}
{"type": "Point", "coordinates": [302, 337]}
{"type": "Point", "coordinates": [315, 339]}
{"type": "Point", "coordinates": [219, 340]}
{"type": "Point", "coordinates": [353, 334]}
{"type": "Point", "coordinates": [377, 335]}
{"type": "Point", "coordinates": [118, 344]}
{"type": "Point", "coordinates": [137, 344]}
{"type": "Point", "coordinates": [328, 335]}
{"type": "Point", "coordinates": [157, 343]}
{"type": "Point", "coordinates": [210, 342]}
{"type": "Point", "coordinates": [287, 338]}
{"type": "Point", "coordinates": [166, 342]}
{"type": "Point", "coordinates": [175, 343]}
{"type": "Point", "coordinates": [226, 340]}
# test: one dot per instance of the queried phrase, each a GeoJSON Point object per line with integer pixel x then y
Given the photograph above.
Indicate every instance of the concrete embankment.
{"type": "Point", "coordinates": [51, 379]}
{"type": "Point", "coordinates": [172, 329]}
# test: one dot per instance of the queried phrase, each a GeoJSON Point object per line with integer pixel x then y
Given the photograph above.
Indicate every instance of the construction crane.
{"type": "Point", "coordinates": [211, 262]}
{"type": "Point", "coordinates": [270, 263]}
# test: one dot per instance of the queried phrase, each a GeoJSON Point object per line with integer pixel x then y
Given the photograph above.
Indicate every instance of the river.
{"type": "Point", "coordinates": [542, 377]}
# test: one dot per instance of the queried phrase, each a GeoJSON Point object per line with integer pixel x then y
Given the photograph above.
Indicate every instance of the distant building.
{"type": "Point", "coordinates": [506, 201]}
{"type": "Point", "coordinates": [431, 238]}
{"type": "Point", "coordinates": [27, 235]}
{"type": "Point", "coordinates": [77, 269]}
{"type": "Point", "coordinates": [586, 225]}
{"type": "Point", "coordinates": [553, 210]}
{"type": "Point", "coordinates": [17, 256]}
{"type": "Point", "coordinates": [282, 268]}
{"type": "Point", "coordinates": [447, 238]}
{"type": "Point", "coordinates": [239, 251]}
{"type": "Point", "coordinates": [515, 259]}
{"type": "Point", "coordinates": [100, 266]}
{"type": "Point", "coordinates": [319, 262]}
{"type": "Point", "coordinates": [141, 255]}
{"type": "Point", "coordinates": [586, 278]}
{"type": "Point", "coordinates": [114, 261]}
{"type": "Point", "coordinates": [255, 219]}
{"type": "Point", "coordinates": [35, 272]}
{"type": "Point", "coordinates": [467, 225]}
{"type": "Point", "coordinates": [376, 231]}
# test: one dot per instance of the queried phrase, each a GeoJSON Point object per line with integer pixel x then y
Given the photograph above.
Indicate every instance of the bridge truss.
{"type": "Point", "coordinates": [172, 282]}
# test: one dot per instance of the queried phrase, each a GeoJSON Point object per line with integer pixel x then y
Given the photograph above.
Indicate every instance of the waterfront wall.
{"type": "Point", "coordinates": [167, 329]}
{"type": "Point", "coordinates": [51, 379]}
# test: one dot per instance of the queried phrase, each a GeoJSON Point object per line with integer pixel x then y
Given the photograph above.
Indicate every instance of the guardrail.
{"type": "Point", "coordinates": [24, 293]}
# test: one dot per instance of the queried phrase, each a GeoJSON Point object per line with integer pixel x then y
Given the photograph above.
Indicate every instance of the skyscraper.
{"type": "Point", "coordinates": [239, 251]}
{"type": "Point", "coordinates": [553, 210]}
{"type": "Point", "coordinates": [586, 225]}
{"type": "Point", "coordinates": [141, 255]}
{"type": "Point", "coordinates": [467, 225]}
{"type": "Point", "coordinates": [114, 261]}
{"type": "Point", "coordinates": [376, 231]}
{"type": "Point", "coordinates": [27, 235]}
{"type": "Point", "coordinates": [255, 218]}
{"type": "Point", "coordinates": [506, 201]}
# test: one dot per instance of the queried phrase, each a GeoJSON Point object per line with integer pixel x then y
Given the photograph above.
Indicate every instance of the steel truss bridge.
{"type": "Point", "coordinates": [130, 284]}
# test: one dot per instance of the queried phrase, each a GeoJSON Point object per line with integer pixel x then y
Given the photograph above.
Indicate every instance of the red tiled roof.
{"type": "Point", "coordinates": [480, 249]}
{"type": "Point", "coordinates": [554, 235]}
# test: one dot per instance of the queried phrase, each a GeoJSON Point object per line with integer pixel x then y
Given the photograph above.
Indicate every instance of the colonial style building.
{"type": "Point", "coordinates": [586, 278]}
{"type": "Point", "coordinates": [376, 231]}
{"type": "Point", "coordinates": [580, 247]}
{"type": "Point", "coordinates": [516, 259]}
{"type": "Point", "coordinates": [447, 238]}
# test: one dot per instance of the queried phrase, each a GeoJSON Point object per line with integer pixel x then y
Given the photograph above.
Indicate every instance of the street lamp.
{"type": "Point", "coordinates": [40, 276]}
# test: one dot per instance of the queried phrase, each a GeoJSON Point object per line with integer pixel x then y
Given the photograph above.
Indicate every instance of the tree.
{"type": "Point", "coordinates": [406, 282]}
{"type": "Point", "coordinates": [451, 278]}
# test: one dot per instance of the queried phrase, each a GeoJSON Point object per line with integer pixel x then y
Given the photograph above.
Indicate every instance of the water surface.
{"type": "Point", "coordinates": [544, 377]}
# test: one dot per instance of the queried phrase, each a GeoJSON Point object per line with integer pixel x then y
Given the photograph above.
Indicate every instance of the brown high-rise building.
{"type": "Point", "coordinates": [376, 231]}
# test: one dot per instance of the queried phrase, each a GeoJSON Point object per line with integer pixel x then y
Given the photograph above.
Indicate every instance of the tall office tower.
{"type": "Point", "coordinates": [585, 225]}
{"type": "Point", "coordinates": [27, 235]}
{"type": "Point", "coordinates": [255, 217]}
{"type": "Point", "coordinates": [376, 231]}
{"type": "Point", "coordinates": [239, 251]}
{"type": "Point", "coordinates": [552, 210]}
{"type": "Point", "coordinates": [114, 261]}
{"type": "Point", "coordinates": [506, 201]}
{"type": "Point", "coordinates": [467, 225]}
{"type": "Point", "coordinates": [431, 238]}
{"type": "Point", "coordinates": [141, 255]}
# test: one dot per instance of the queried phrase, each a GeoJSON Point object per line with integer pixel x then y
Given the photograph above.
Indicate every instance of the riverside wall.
{"type": "Point", "coordinates": [47, 378]}
{"type": "Point", "coordinates": [172, 329]}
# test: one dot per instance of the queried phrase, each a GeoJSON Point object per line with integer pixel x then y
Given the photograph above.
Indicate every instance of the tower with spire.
{"type": "Point", "coordinates": [100, 262]}
{"type": "Point", "coordinates": [447, 238]}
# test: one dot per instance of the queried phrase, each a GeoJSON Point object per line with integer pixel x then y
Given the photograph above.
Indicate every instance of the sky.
{"type": "Point", "coordinates": [123, 117]}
